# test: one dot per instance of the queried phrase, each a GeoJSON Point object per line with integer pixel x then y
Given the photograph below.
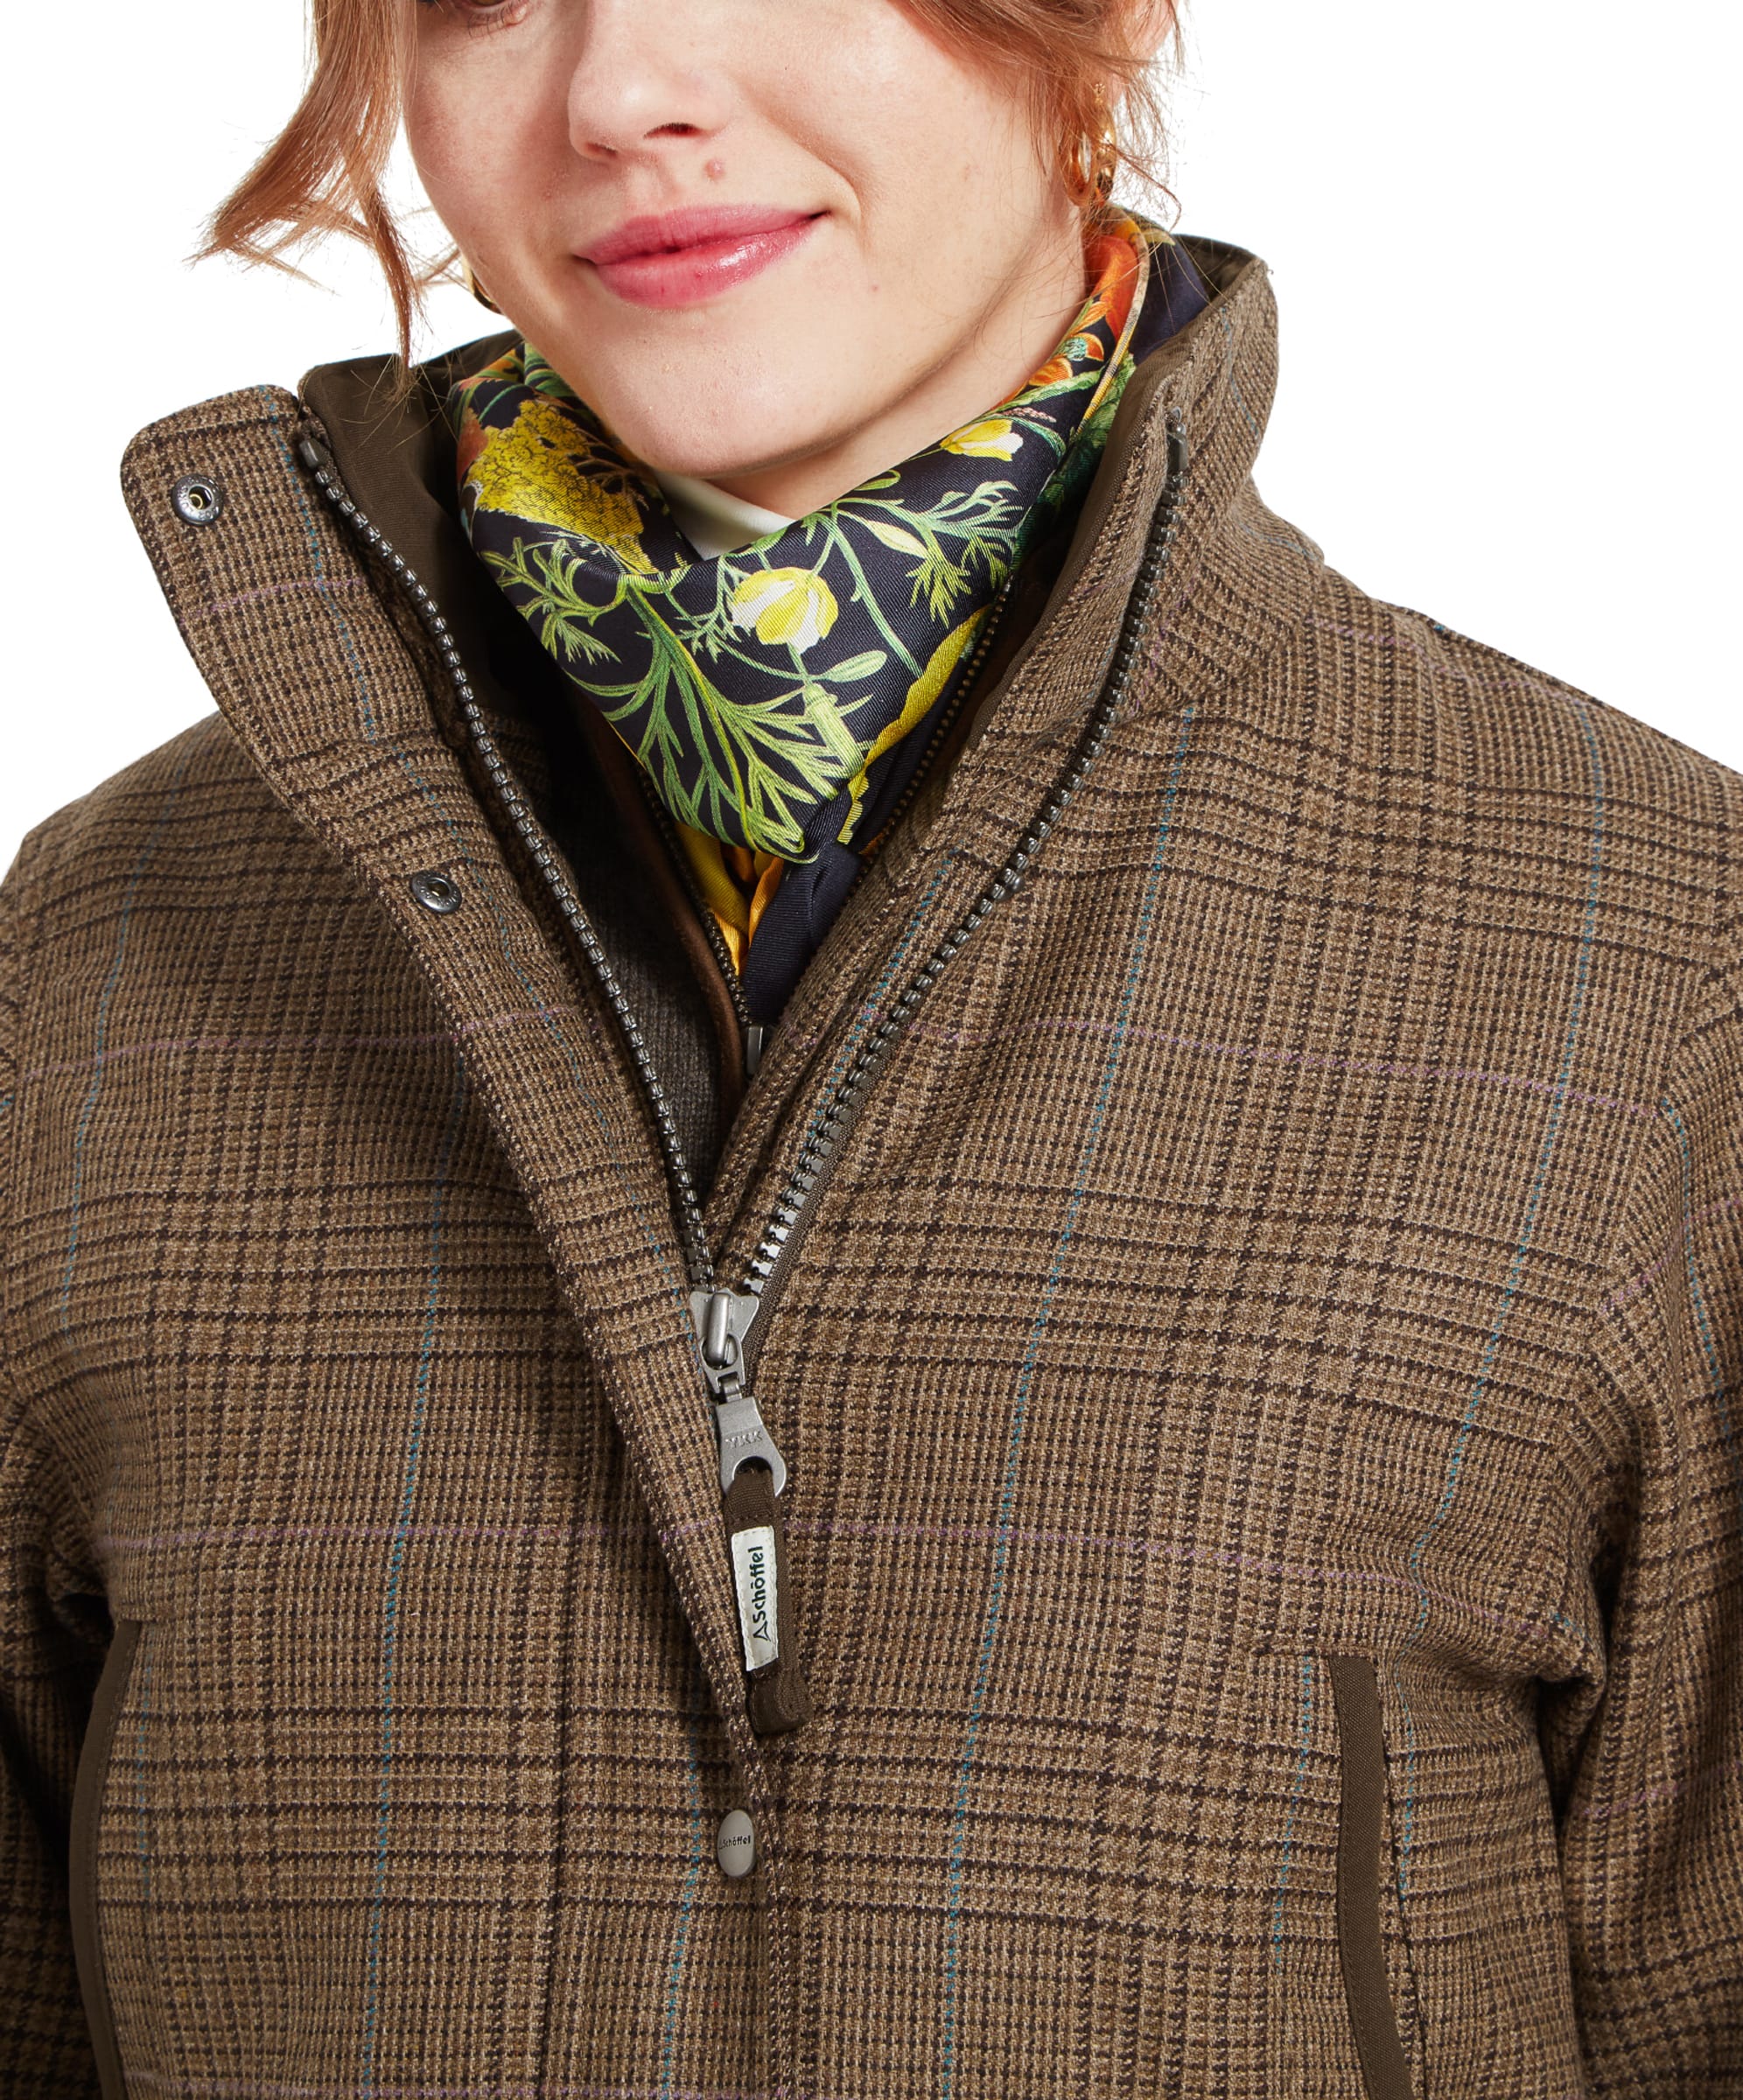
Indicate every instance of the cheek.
{"type": "Point", "coordinates": [436, 137]}
{"type": "Point", "coordinates": [475, 151]}
{"type": "Point", "coordinates": [937, 156]}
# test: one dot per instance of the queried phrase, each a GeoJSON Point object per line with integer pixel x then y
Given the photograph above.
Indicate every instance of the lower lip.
{"type": "Point", "coordinates": [685, 276]}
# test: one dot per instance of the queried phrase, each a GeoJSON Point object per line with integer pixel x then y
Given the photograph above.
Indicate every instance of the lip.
{"type": "Point", "coordinates": [682, 258]}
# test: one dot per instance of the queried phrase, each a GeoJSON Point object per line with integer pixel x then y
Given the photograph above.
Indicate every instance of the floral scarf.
{"type": "Point", "coordinates": [782, 698]}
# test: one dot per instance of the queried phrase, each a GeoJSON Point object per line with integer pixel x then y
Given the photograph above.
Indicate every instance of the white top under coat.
{"type": "Point", "coordinates": [713, 522]}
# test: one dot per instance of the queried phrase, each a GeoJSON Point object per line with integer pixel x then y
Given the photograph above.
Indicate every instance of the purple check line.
{"type": "Point", "coordinates": [542, 2088]}
{"type": "Point", "coordinates": [114, 1543]}
{"type": "Point", "coordinates": [249, 597]}
{"type": "Point", "coordinates": [964, 1039]}
{"type": "Point", "coordinates": [1496, 679]}
{"type": "Point", "coordinates": [142, 1542]}
{"type": "Point", "coordinates": [1308, 1060]}
{"type": "Point", "coordinates": [1220, 1557]}
{"type": "Point", "coordinates": [1668, 1791]}
{"type": "Point", "coordinates": [673, 1533]}
{"type": "Point", "coordinates": [319, 1040]}
{"type": "Point", "coordinates": [1625, 1293]}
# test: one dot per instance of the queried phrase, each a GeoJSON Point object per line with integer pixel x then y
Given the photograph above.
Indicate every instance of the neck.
{"type": "Point", "coordinates": [1008, 341]}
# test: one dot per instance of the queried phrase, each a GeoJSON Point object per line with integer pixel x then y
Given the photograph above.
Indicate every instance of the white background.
{"type": "Point", "coordinates": [1505, 249]}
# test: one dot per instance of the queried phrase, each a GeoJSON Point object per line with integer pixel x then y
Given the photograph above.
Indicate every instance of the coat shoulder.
{"type": "Point", "coordinates": [1521, 725]}
{"type": "Point", "coordinates": [127, 896]}
{"type": "Point", "coordinates": [1540, 770]}
{"type": "Point", "coordinates": [197, 791]}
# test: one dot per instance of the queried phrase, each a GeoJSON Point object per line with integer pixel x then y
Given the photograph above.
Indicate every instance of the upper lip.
{"type": "Point", "coordinates": [667, 232]}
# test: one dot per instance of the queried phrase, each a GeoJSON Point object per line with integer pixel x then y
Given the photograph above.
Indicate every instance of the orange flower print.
{"type": "Point", "coordinates": [472, 441]}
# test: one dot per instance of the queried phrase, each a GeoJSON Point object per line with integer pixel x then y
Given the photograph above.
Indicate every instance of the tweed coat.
{"type": "Point", "coordinates": [1259, 1373]}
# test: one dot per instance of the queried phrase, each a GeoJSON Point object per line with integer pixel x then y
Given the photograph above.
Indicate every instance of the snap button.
{"type": "Point", "coordinates": [435, 892]}
{"type": "Point", "coordinates": [198, 499]}
{"type": "Point", "coordinates": [735, 1844]}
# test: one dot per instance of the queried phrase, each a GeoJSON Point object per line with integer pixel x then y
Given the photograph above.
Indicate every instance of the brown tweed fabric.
{"type": "Point", "coordinates": [1262, 1389]}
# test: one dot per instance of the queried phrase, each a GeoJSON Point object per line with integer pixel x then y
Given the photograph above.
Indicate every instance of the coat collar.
{"type": "Point", "coordinates": [395, 452]}
{"type": "Point", "coordinates": [395, 455]}
{"type": "Point", "coordinates": [307, 632]}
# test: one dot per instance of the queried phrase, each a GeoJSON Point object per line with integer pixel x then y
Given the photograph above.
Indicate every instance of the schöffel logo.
{"type": "Point", "coordinates": [753, 1571]}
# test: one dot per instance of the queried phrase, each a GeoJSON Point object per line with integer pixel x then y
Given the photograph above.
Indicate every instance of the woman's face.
{"type": "Point", "coordinates": [778, 244]}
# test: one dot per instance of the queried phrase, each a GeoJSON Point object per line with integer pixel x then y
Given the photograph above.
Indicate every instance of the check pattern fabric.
{"type": "Point", "coordinates": [1299, 1244]}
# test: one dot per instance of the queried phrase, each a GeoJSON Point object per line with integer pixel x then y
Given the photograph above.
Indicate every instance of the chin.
{"type": "Point", "coordinates": [742, 407]}
{"type": "Point", "coordinates": [680, 439]}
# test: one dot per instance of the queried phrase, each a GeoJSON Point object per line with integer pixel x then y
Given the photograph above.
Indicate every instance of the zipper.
{"type": "Point", "coordinates": [815, 1168]}
{"type": "Point", "coordinates": [753, 1471]}
{"type": "Point", "coordinates": [964, 686]}
{"type": "Point", "coordinates": [753, 1035]}
{"type": "Point", "coordinates": [324, 472]}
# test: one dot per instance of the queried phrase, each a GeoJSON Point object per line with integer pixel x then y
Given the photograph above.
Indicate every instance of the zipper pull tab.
{"type": "Point", "coordinates": [776, 1699]}
{"type": "Point", "coordinates": [753, 1474]}
{"type": "Point", "coordinates": [723, 1319]}
{"type": "Point", "coordinates": [755, 1033]}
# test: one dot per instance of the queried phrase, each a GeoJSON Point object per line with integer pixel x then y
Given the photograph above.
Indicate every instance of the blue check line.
{"type": "Point", "coordinates": [953, 1911]}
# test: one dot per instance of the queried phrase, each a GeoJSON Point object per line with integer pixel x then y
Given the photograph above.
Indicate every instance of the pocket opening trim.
{"type": "Point", "coordinates": [1362, 1804]}
{"type": "Point", "coordinates": [87, 1800]}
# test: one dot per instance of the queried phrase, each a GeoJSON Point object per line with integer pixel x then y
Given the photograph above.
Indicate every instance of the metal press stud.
{"type": "Point", "coordinates": [434, 890]}
{"type": "Point", "coordinates": [198, 499]}
{"type": "Point", "coordinates": [735, 1845]}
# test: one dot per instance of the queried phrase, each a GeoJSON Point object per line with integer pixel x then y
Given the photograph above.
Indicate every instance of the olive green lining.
{"type": "Point", "coordinates": [1355, 1689]}
{"type": "Point", "coordinates": [88, 1800]}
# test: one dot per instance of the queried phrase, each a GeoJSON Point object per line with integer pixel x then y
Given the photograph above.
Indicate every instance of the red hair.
{"type": "Point", "coordinates": [323, 173]}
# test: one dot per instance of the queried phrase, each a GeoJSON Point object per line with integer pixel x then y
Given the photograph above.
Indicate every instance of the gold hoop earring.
{"type": "Point", "coordinates": [476, 289]}
{"type": "Point", "coordinates": [1089, 187]}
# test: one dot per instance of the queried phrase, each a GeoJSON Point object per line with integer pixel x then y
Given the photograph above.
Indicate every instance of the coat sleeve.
{"type": "Point", "coordinates": [53, 1632]}
{"type": "Point", "coordinates": [1646, 1760]}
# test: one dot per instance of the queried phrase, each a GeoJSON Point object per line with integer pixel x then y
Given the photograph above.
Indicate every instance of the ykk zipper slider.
{"type": "Point", "coordinates": [753, 1474]}
{"type": "Point", "coordinates": [723, 1319]}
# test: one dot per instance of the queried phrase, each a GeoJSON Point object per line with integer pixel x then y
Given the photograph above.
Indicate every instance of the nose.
{"type": "Point", "coordinates": [646, 82]}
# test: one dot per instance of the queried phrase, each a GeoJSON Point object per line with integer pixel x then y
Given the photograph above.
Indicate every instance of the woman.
{"type": "Point", "coordinates": [851, 1258]}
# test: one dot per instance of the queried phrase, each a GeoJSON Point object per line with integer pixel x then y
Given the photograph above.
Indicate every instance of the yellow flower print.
{"type": "Point", "coordinates": [992, 438]}
{"type": "Point", "coordinates": [922, 696]}
{"type": "Point", "coordinates": [785, 605]}
{"type": "Point", "coordinates": [545, 469]}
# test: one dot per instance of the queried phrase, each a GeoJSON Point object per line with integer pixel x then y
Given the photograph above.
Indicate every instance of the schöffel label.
{"type": "Point", "coordinates": [753, 1571]}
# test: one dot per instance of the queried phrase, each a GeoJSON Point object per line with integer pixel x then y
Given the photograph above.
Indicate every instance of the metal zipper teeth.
{"type": "Point", "coordinates": [667, 827]}
{"type": "Point", "coordinates": [822, 1148]}
{"type": "Point", "coordinates": [697, 1255]}
{"type": "Point", "coordinates": [969, 672]}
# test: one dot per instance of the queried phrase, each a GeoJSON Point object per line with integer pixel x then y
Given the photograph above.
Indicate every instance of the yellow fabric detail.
{"type": "Point", "coordinates": [991, 438]}
{"type": "Point", "coordinates": [736, 886]}
{"type": "Point", "coordinates": [792, 605]}
{"type": "Point", "coordinates": [543, 469]}
{"type": "Point", "coordinates": [921, 695]}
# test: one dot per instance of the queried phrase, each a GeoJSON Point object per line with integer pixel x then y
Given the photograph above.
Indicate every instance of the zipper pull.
{"type": "Point", "coordinates": [755, 1034]}
{"type": "Point", "coordinates": [776, 1698]}
{"type": "Point", "coordinates": [723, 1319]}
{"type": "Point", "coordinates": [753, 1474]}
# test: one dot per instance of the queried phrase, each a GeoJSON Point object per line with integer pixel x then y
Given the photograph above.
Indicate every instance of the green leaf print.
{"type": "Point", "coordinates": [867, 664]}
{"type": "Point", "coordinates": [711, 754]}
{"type": "Point", "coordinates": [547, 576]}
{"type": "Point", "coordinates": [759, 687]}
{"type": "Point", "coordinates": [896, 536]}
